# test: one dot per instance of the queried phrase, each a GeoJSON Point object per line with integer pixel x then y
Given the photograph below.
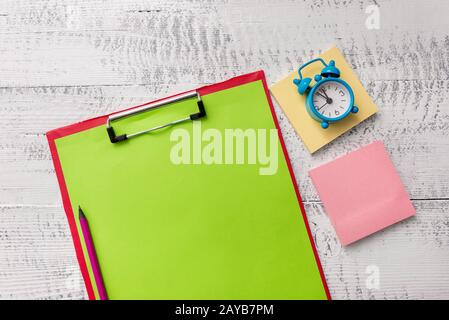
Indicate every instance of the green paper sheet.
{"type": "Point", "coordinates": [198, 231]}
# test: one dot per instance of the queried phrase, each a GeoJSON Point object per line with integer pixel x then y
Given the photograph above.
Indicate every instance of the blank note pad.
{"type": "Point", "coordinates": [362, 192]}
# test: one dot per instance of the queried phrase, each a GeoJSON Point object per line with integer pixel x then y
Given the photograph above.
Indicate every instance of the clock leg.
{"type": "Point", "coordinates": [324, 125]}
{"type": "Point", "coordinates": [355, 109]}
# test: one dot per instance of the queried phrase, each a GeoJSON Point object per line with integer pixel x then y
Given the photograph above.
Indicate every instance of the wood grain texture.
{"type": "Point", "coordinates": [65, 61]}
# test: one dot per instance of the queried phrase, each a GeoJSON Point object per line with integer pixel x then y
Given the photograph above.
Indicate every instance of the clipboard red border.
{"type": "Point", "coordinates": [94, 122]}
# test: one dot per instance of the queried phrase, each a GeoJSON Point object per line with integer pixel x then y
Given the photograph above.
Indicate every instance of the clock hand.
{"type": "Point", "coordinates": [322, 106]}
{"type": "Point", "coordinates": [324, 91]}
{"type": "Point", "coordinates": [328, 100]}
{"type": "Point", "coordinates": [319, 93]}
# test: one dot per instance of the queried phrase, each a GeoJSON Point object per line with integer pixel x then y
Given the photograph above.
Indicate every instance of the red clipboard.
{"type": "Point", "coordinates": [101, 121]}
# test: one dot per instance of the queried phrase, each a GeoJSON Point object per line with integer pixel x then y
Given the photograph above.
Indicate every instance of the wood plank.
{"type": "Point", "coordinates": [416, 138]}
{"type": "Point", "coordinates": [38, 258]}
{"type": "Point", "coordinates": [91, 43]}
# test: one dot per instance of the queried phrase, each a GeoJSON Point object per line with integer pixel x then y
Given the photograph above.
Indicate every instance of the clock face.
{"type": "Point", "coordinates": [332, 99]}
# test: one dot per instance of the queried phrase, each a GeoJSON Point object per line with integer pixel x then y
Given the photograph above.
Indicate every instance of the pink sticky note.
{"type": "Point", "coordinates": [362, 192]}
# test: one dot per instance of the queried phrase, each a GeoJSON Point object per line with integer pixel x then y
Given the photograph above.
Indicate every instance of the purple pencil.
{"type": "Point", "coordinates": [92, 255]}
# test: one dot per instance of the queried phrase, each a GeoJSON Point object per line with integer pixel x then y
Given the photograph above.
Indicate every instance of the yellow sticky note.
{"type": "Point", "coordinates": [293, 104]}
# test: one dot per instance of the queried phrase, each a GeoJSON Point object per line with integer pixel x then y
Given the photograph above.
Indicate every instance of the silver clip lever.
{"type": "Point", "coordinates": [195, 116]}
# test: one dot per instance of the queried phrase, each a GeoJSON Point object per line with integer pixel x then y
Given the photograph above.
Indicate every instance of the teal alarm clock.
{"type": "Point", "coordinates": [330, 99]}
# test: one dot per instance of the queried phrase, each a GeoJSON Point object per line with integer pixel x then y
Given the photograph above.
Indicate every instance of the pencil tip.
{"type": "Point", "coordinates": [81, 213]}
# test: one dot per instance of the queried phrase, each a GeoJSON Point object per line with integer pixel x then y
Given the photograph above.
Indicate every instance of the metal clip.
{"type": "Point", "coordinates": [195, 116]}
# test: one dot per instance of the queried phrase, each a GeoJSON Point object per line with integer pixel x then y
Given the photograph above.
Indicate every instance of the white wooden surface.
{"type": "Point", "coordinates": [62, 61]}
